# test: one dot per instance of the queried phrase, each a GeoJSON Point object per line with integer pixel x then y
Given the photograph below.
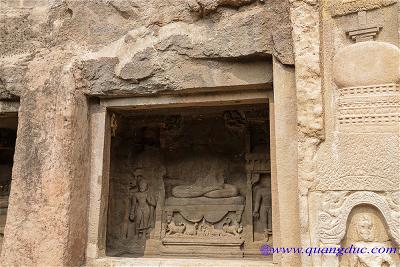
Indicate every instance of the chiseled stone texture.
{"type": "Point", "coordinates": [343, 7]}
{"type": "Point", "coordinates": [375, 155]}
{"type": "Point", "coordinates": [306, 41]}
{"type": "Point", "coordinates": [174, 44]}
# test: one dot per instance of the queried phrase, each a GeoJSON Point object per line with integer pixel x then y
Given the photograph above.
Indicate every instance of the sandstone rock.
{"type": "Point", "coordinates": [90, 77]}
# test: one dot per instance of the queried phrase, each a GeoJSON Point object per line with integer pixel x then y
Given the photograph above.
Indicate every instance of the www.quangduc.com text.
{"type": "Point", "coordinates": [338, 251]}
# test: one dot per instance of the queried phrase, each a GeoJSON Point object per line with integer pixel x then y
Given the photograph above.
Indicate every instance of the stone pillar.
{"type": "Point", "coordinates": [47, 215]}
{"type": "Point", "coordinates": [285, 116]}
{"type": "Point", "coordinates": [305, 18]}
{"type": "Point", "coordinates": [248, 215]}
{"type": "Point", "coordinates": [99, 181]}
{"type": "Point", "coordinates": [276, 234]}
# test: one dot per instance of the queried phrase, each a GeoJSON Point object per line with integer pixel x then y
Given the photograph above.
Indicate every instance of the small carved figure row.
{"type": "Point", "coordinates": [230, 228]}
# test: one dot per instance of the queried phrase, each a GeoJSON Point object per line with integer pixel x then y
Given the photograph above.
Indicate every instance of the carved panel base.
{"type": "Point", "coordinates": [221, 247]}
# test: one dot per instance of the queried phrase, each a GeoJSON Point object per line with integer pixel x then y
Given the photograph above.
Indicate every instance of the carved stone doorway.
{"type": "Point", "coordinates": [8, 135]}
{"type": "Point", "coordinates": [168, 213]}
{"type": "Point", "coordinates": [190, 181]}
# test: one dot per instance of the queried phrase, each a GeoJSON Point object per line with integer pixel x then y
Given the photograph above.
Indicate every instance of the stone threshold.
{"type": "Point", "coordinates": [174, 262]}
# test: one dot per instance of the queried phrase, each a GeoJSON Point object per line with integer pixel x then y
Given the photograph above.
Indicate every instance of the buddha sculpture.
{"type": "Point", "coordinates": [213, 191]}
{"type": "Point", "coordinates": [210, 183]}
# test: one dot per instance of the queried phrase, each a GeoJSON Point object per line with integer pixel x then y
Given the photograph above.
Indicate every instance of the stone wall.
{"type": "Point", "coordinates": [55, 55]}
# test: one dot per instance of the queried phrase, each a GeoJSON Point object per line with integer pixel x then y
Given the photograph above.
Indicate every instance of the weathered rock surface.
{"type": "Point", "coordinates": [46, 220]}
{"type": "Point", "coordinates": [148, 43]}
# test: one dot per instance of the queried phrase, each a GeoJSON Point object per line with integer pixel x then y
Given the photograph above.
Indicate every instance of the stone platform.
{"type": "Point", "coordinates": [219, 248]}
{"type": "Point", "coordinates": [173, 262]}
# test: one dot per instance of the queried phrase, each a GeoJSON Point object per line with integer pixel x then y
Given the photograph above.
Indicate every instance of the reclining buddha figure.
{"type": "Point", "coordinates": [209, 183]}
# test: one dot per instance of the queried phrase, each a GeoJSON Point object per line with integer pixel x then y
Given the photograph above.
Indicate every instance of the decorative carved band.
{"type": "Point", "coordinates": [380, 89]}
{"type": "Point", "coordinates": [369, 105]}
{"type": "Point", "coordinates": [391, 105]}
{"type": "Point", "coordinates": [369, 119]}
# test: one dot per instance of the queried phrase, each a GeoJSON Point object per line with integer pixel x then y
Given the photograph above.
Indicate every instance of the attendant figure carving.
{"type": "Point", "coordinates": [191, 229]}
{"type": "Point", "coordinates": [143, 204]}
{"type": "Point", "coordinates": [262, 205]}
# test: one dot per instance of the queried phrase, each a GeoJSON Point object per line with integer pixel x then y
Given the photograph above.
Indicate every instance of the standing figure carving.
{"type": "Point", "coordinates": [262, 205]}
{"type": "Point", "coordinates": [142, 209]}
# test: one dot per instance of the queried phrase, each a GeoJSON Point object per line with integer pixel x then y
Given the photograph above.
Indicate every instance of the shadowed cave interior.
{"type": "Point", "coordinates": [179, 179]}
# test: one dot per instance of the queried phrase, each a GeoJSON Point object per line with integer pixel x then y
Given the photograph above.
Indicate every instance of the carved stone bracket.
{"type": "Point", "coordinates": [257, 163]}
{"type": "Point", "coordinates": [364, 31]}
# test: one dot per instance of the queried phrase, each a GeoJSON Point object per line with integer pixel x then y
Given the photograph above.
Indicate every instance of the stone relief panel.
{"type": "Point", "coordinates": [262, 208]}
{"type": "Point", "coordinates": [355, 107]}
{"type": "Point", "coordinates": [366, 229]}
{"type": "Point", "coordinates": [361, 39]}
{"type": "Point", "coordinates": [358, 163]}
{"type": "Point", "coordinates": [190, 182]}
{"type": "Point", "coordinates": [336, 207]}
{"type": "Point", "coordinates": [361, 162]}
{"type": "Point", "coordinates": [370, 96]}
{"type": "Point", "coordinates": [367, 73]}
{"type": "Point", "coordinates": [259, 193]}
{"type": "Point", "coordinates": [136, 189]}
{"type": "Point", "coordinates": [365, 20]}
{"type": "Point", "coordinates": [362, 76]}
{"type": "Point", "coordinates": [142, 207]}
{"type": "Point", "coordinates": [206, 211]}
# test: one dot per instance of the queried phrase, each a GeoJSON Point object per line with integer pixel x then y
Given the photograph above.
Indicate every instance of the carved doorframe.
{"type": "Point", "coordinates": [101, 137]}
{"type": "Point", "coordinates": [8, 110]}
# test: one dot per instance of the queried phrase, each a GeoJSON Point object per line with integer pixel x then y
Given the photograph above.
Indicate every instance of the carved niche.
{"type": "Point", "coordinates": [136, 190]}
{"type": "Point", "coordinates": [366, 229]}
{"type": "Point", "coordinates": [189, 182]}
{"type": "Point", "coordinates": [337, 205]}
